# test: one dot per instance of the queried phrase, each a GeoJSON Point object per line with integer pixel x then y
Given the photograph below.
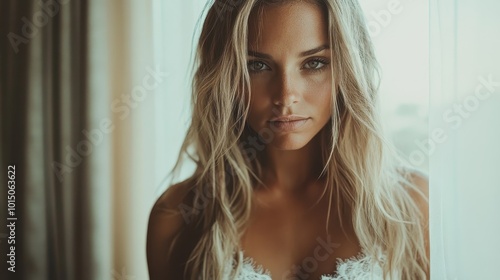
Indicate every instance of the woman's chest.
{"type": "Point", "coordinates": [293, 243]}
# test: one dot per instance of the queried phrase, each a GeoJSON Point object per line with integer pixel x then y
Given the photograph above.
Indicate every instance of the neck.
{"type": "Point", "coordinates": [292, 170]}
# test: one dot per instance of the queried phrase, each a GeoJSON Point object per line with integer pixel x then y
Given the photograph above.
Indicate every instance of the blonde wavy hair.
{"type": "Point", "coordinates": [360, 167]}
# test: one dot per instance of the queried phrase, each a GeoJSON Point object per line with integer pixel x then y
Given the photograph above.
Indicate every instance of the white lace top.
{"type": "Point", "coordinates": [355, 268]}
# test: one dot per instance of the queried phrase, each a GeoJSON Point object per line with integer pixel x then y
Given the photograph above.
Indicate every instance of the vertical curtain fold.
{"type": "Point", "coordinates": [443, 55]}
{"type": "Point", "coordinates": [99, 171]}
{"type": "Point", "coordinates": [13, 86]}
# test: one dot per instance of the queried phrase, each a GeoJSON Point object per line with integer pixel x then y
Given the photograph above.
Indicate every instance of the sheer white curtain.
{"type": "Point", "coordinates": [465, 153]}
{"type": "Point", "coordinates": [151, 63]}
{"type": "Point", "coordinates": [400, 33]}
{"type": "Point", "coordinates": [175, 36]}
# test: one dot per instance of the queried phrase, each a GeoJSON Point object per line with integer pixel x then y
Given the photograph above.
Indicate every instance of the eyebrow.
{"type": "Point", "coordinates": [302, 54]}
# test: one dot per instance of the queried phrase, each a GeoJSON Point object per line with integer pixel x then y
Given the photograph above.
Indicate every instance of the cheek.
{"type": "Point", "coordinates": [319, 95]}
{"type": "Point", "coordinates": [258, 103]}
{"type": "Point", "coordinates": [259, 106]}
{"type": "Point", "coordinates": [260, 96]}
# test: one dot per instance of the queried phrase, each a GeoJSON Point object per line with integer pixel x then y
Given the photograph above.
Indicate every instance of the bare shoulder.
{"type": "Point", "coordinates": [164, 225]}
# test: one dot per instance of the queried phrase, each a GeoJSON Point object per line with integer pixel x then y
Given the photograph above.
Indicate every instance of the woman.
{"type": "Point", "coordinates": [293, 178]}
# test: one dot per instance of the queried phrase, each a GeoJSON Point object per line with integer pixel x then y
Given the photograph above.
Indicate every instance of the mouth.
{"type": "Point", "coordinates": [288, 118]}
{"type": "Point", "coordinates": [288, 125]}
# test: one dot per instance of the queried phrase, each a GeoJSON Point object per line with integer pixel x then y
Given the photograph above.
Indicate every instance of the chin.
{"type": "Point", "coordinates": [289, 143]}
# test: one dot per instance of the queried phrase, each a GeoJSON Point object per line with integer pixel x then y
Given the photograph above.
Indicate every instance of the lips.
{"type": "Point", "coordinates": [287, 124]}
{"type": "Point", "coordinates": [288, 118]}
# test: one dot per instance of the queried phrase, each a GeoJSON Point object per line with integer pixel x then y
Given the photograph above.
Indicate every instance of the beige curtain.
{"type": "Point", "coordinates": [76, 83]}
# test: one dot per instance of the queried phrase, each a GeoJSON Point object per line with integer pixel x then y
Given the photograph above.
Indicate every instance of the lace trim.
{"type": "Point", "coordinates": [356, 268]}
{"type": "Point", "coordinates": [359, 267]}
{"type": "Point", "coordinates": [252, 271]}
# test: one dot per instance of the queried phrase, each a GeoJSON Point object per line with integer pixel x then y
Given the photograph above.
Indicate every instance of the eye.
{"type": "Point", "coordinates": [315, 64]}
{"type": "Point", "coordinates": [257, 66]}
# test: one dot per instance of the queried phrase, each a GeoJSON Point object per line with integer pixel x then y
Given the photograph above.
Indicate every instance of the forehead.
{"type": "Point", "coordinates": [296, 24]}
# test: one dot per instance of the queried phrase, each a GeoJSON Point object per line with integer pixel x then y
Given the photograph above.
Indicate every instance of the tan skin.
{"type": "Point", "coordinates": [290, 75]}
{"type": "Point", "coordinates": [288, 215]}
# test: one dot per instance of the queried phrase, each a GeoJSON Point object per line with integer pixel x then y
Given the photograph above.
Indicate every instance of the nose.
{"type": "Point", "coordinates": [287, 93]}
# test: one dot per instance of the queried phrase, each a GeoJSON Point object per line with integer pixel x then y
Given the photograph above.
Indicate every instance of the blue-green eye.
{"type": "Point", "coordinates": [256, 66]}
{"type": "Point", "coordinates": [315, 64]}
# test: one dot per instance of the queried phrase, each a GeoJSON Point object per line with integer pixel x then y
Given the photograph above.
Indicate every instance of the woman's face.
{"type": "Point", "coordinates": [291, 82]}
